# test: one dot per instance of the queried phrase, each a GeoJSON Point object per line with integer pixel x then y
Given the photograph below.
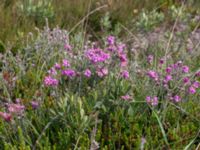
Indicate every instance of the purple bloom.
{"type": "Point", "coordinates": [34, 104]}
{"type": "Point", "coordinates": [186, 80]}
{"type": "Point", "coordinates": [52, 71]}
{"type": "Point", "coordinates": [49, 81]}
{"type": "Point", "coordinates": [150, 59]}
{"type": "Point", "coordinates": [67, 47]}
{"type": "Point", "coordinates": [177, 98]}
{"type": "Point", "coordinates": [65, 63]}
{"type": "Point", "coordinates": [185, 69]}
{"type": "Point", "coordinates": [197, 74]}
{"type": "Point", "coordinates": [161, 61]}
{"type": "Point", "coordinates": [97, 55]}
{"type": "Point", "coordinates": [192, 90]}
{"type": "Point", "coordinates": [121, 47]}
{"type": "Point", "coordinates": [152, 74]}
{"type": "Point", "coordinates": [125, 74]}
{"type": "Point", "coordinates": [57, 66]}
{"type": "Point", "coordinates": [111, 40]}
{"type": "Point", "coordinates": [168, 78]}
{"type": "Point", "coordinates": [126, 97]}
{"type": "Point", "coordinates": [168, 70]}
{"type": "Point", "coordinates": [148, 99]}
{"type": "Point", "coordinates": [6, 116]}
{"type": "Point", "coordinates": [16, 108]}
{"type": "Point", "coordinates": [154, 101]}
{"type": "Point", "coordinates": [87, 73]}
{"type": "Point", "coordinates": [102, 72]}
{"type": "Point", "coordinates": [196, 84]}
{"type": "Point", "coordinates": [69, 73]}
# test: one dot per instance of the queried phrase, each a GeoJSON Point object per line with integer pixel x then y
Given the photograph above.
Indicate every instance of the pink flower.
{"type": "Point", "coordinates": [102, 72]}
{"type": "Point", "coordinates": [150, 59]}
{"type": "Point", "coordinates": [16, 108]}
{"type": "Point", "coordinates": [126, 97]}
{"type": "Point", "coordinates": [177, 98]}
{"type": "Point", "coordinates": [6, 116]}
{"type": "Point", "coordinates": [69, 73]}
{"type": "Point", "coordinates": [168, 70]}
{"type": "Point", "coordinates": [67, 47]}
{"type": "Point", "coordinates": [57, 66]}
{"type": "Point", "coordinates": [152, 74]}
{"type": "Point", "coordinates": [154, 101]}
{"type": "Point", "coordinates": [87, 73]}
{"type": "Point", "coordinates": [186, 80]}
{"type": "Point", "coordinates": [192, 90]}
{"type": "Point", "coordinates": [196, 84]}
{"type": "Point", "coordinates": [185, 69]}
{"type": "Point", "coordinates": [125, 74]}
{"type": "Point", "coordinates": [197, 74]}
{"type": "Point", "coordinates": [161, 61]}
{"type": "Point", "coordinates": [168, 78]}
{"type": "Point", "coordinates": [65, 63]}
{"type": "Point", "coordinates": [148, 99]}
{"type": "Point", "coordinates": [34, 104]}
{"type": "Point", "coordinates": [52, 71]}
{"type": "Point", "coordinates": [111, 40]}
{"type": "Point", "coordinates": [121, 47]}
{"type": "Point", "coordinates": [49, 81]}
{"type": "Point", "coordinates": [97, 55]}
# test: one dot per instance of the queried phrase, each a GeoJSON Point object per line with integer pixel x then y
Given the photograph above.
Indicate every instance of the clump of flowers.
{"type": "Point", "coordinates": [174, 82]}
{"type": "Point", "coordinates": [153, 101]}
{"type": "Point", "coordinates": [100, 61]}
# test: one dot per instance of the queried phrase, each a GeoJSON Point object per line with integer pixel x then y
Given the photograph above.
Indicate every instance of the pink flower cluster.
{"type": "Point", "coordinates": [96, 55]}
{"type": "Point", "coordinates": [50, 81]}
{"type": "Point", "coordinates": [174, 79]}
{"type": "Point", "coordinates": [153, 101]}
{"type": "Point", "coordinates": [100, 61]}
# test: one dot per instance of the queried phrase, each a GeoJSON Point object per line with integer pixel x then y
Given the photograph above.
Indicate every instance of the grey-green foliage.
{"type": "Point", "coordinates": [148, 20]}
{"type": "Point", "coordinates": [38, 10]}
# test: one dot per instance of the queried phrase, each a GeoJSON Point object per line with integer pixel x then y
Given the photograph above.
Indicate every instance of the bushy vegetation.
{"type": "Point", "coordinates": [110, 75]}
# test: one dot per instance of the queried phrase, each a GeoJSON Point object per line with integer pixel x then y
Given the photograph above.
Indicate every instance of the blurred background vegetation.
{"type": "Point", "coordinates": [18, 17]}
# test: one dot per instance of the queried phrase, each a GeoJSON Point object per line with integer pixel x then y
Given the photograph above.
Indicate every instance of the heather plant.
{"type": "Point", "coordinates": [70, 90]}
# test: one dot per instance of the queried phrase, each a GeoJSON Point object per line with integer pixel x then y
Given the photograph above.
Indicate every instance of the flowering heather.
{"type": "Point", "coordinates": [6, 116]}
{"type": "Point", "coordinates": [177, 98]}
{"type": "Point", "coordinates": [126, 97]}
{"type": "Point", "coordinates": [67, 47]}
{"type": "Point", "coordinates": [34, 104]}
{"type": "Point", "coordinates": [185, 69]}
{"type": "Point", "coordinates": [69, 73]}
{"type": "Point", "coordinates": [150, 59]}
{"type": "Point", "coordinates": [96, 55]}
{"type": "Point", "coordinates": [16, 108]}
{"type": "Point", "coordinates": [153, 75]}
{"type": "Point", "coordinates": [52, 71]}
{"type": "Point", "coordinates": [168, 70]}
{"type": "Point", "coordinates": [87, 73]}
{"type": "Point", "coordinates": [65, 63]}
{"type": "Point", "coordinates": [125, 74]}
{"type": "Point", "coordinates": [49, 81]}
{"type": "Point", "coordinates": [192, 90]}
{"type": "Point", "coordinates": [186, 80]}
{"type": "Point", "coordinates": [167, 78]}
{"type": "Point", "coordinates": [102, 72]}
{"type": "Point", "coordinates": [111, 40]}
{"type": "Point", "coordinates": [153, 101]}
{"type": "Point", "coordinates": [57, 66]}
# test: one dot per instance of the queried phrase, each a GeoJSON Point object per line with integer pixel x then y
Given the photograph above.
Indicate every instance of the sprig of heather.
{"type": "Point", "coordinates": [173, 82]}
